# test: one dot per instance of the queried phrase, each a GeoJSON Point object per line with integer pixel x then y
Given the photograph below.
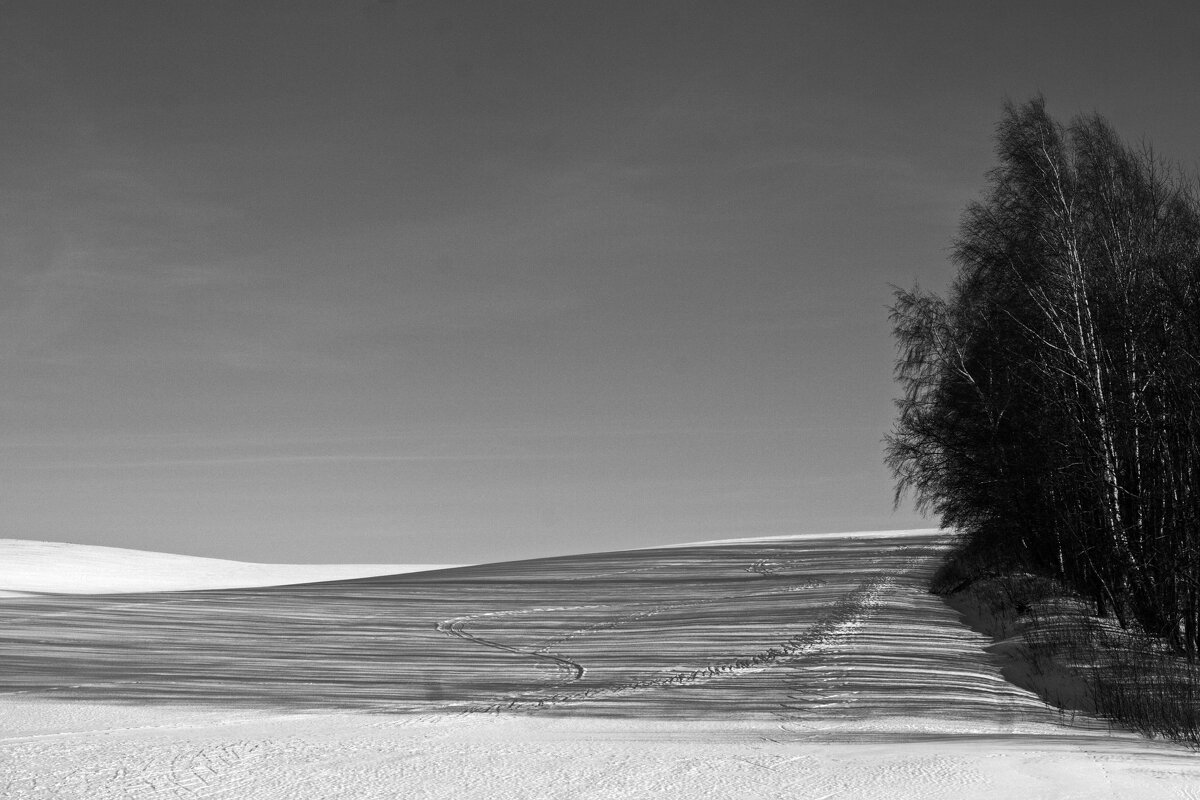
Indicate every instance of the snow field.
{"type": "Point", "coordinates": [811, 667]}
{"type": "Point", "coordinates": [28, 566]}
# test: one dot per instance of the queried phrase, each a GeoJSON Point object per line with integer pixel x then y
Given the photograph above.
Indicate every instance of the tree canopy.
{"type": "Point", "coordinates": [1050, 405]}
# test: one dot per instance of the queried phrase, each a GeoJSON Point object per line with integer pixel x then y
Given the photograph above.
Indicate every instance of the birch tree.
{"type": "Point", "coordinates": [1051, 404]}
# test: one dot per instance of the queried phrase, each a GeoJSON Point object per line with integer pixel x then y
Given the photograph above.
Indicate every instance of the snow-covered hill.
{"type": "Point", "coordinates": [803, 667]}
{"type": "Point", "coordinates": [56, 567]}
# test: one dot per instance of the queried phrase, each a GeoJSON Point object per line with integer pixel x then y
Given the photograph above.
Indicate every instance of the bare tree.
{"type": "Point", "coordinates": [1051, 405]}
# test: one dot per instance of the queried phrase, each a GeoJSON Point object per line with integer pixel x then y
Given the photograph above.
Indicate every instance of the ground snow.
{"type": "Point", "coordinates": [816, 667]}
{"type": "Point", "coordinates": [57, 567]}
{"type": "Point", "coordinates": [920, 533]}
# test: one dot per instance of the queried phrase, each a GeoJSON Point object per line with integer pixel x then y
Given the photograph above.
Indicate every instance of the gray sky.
{"type": "Point", "coordinates": [397, 281]}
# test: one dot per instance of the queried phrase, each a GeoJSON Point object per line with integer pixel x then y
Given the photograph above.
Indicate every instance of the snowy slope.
{"type": "Point", "coordinates": [58, 567]}
{"type": "Point", "coordinates": [816, 667]}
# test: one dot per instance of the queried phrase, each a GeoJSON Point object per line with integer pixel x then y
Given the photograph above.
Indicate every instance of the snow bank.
{"type": "Point", "coordinates": [61, 568]}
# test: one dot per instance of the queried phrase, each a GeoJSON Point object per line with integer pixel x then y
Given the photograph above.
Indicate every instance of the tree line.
{"type": "Point", "coordinates": [1050, 406]}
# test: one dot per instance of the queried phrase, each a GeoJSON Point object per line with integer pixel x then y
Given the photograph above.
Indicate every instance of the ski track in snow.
{"type": "Point", "coordinates": [809, 668]}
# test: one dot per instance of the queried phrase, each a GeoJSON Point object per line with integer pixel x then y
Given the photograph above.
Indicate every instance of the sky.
{"type": "Point", "coordinates": [363, 281]}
